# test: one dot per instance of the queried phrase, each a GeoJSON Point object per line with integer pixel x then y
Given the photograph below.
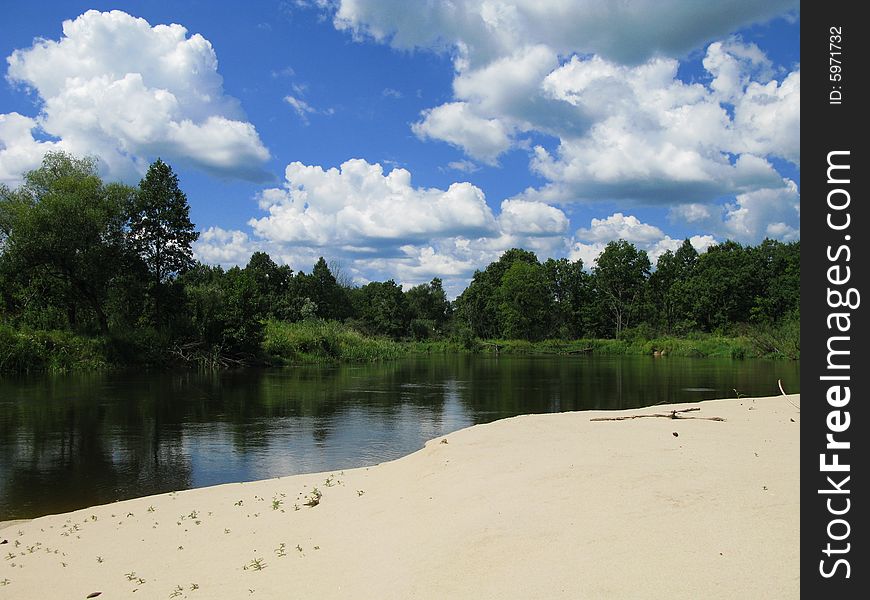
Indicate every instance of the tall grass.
{"type": "Point", "coordinates": [325, 341]}
{"type": "Point", "coordinates": [49, 351]}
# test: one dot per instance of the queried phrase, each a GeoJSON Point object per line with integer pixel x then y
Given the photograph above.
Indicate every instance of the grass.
{"type": "Point", "coordinates": [24, 351]}
{"type": "Point", "coordinates": [316, 341]}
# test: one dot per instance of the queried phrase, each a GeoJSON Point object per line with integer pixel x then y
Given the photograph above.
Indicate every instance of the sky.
{"type": "Point", "coordinates": [406, 141]}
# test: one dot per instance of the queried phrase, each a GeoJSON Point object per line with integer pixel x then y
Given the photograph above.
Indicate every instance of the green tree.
{"type": "Point", "coordinates": [525, 302]}
{"type": "Point", "coordinates": [271, 284]}
{"type": "Point", "coordinates": [382, 309]}
{"type": "Point", "coordinates": [724, 286]}
{"type": "Point", "coordinates": [478, 306]}
{"type": "Point", "coordinates": [429, 307]}
{"type": "Point", "coordinates": [63, 224]}
{"type": "Point", "coordinates": [161, 233]}
{"type": "Point", "coordinates": [669, 301]}
{"type": "Point", "coordinates": [619, 278]}
{"type": "Point", "coordinates": [569, 287]}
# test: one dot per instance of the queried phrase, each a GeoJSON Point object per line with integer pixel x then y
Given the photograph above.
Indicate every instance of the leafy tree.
{"type": "Point", "coordinates": [478, 305]}
{"type": "Point", "coordinates": [64, 225]}
{"type": "Point", "coordinates": [222, 313]}
{"type": "Point", "coordinates": [619, 277]}
{"type": "Point", "coordinates": [428, 306]}
{"type": "Point", "coordinates": [272, 284]}
{"type": "Point", "coordinates": [667, 286]}
{"type": "Point", "coordinates": [724, 286]}
{"type": "Point", "coordinates": [777, 266]}
{"type": "Point", "coordinates": [160, 229]}
{"type": "Point", "coordinates": [525, 303]}
{"type": "Point", "coordinates": [321, 292]}
{"type": "Point", "coordinates": [382, 309]}
{"type": "Point", "coordinates": [569, 287]}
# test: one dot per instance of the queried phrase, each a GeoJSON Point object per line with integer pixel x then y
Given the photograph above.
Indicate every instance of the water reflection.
{"type": "Point", "coordinates": [73, 441]}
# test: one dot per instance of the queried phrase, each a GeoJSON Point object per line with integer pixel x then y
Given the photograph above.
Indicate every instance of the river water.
{"type": "Point", "coordinates": [67, 442]}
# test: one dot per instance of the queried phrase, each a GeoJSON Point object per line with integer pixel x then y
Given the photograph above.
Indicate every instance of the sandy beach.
{"type": "Point", "coordinates": [541, 506]}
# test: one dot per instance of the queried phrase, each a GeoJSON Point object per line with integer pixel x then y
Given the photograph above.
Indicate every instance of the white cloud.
{"type": "Point", "coordinates": [466, 166]}
{"type": "Point", "coordinates": [219, 246]}
{"type": "Point", "coordinates": [457, 124]}
{"type": "Point", "coordinates": [752, 216]}
{"type": "Point", "coordinates": [358, 206]}
{"type": "Point", "coordinates": [19, 150]}
{"type": "Point", "coordinates": [116, 87]}
{"type": "Point", "coordinates": [483, 30]}
{"type": "Point", "coordinates": [764, 213]}
{"type": "Point", "coordinates": [534, 219]}
{"type": "Point", "coordinates": [602, 78]}
{"type": "Point", "coordinates": [590, 242]}
{"type": "Point", "coordinates": [618, 226]}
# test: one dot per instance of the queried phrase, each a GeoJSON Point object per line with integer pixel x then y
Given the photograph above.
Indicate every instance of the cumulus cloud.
{"type": "Point", "coordinates": [116, 87]}
{"type": "Point", "coordinates": [481, 30]}
{"type": "Point", "coordinates": [359, 206]}
{"type": "Point", "coordinates": [457, 124]}
{"type": "Point", "coordinates": [603, 79]}
{"type": "Point", "coordinates": [19, 150]}
{"type": "Point", "coordinates": [590, 242]}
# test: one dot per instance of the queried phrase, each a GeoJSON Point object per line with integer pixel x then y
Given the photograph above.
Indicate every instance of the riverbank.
{"type": "Point", "coordinates": [555, 505]}
{"type": "Point", "coordinates": [316, 341]}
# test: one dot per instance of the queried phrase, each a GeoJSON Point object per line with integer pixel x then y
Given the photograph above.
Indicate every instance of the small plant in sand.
{"type": "Point", "coordinates": [193, 514]}
{"type": "Point", "coordinates": [276, 503]}
{"type": "Point", "coordinates": [178, 591]}
{"type": "Point", "coordinates": [5, 581]}
{"type": "Point", "coordinates": [226, 530]}
{"type": "Point", "coordinates": [131, 576]}
{"type": "Point", "coordinates": [281, 550]}
{"type": "Point", "coordinates": [329, 481]}
{"type": "Point", "coordinates": [239, 503]}
{"type": "Point", "coordinates": [360, 492]}
{"type": "Point", "coordinates": [100, 559]}
{"type": "Point", "coordinates": [313, 499]}
{"type": "Point", "coordinates": [194, 587]}
{"type": "Point", "coordinates": [151, 509]}
{"type": "Point", "coordinates": [257, 564]}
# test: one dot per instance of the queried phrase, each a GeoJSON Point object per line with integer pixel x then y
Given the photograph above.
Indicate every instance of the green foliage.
{"type": "Point", "coordinates": [95, 274]}
{"type": "Point", "coordinates": [618, 281]}
{"type": "Point", "coordinates": [382, 309]}
{"type": "Point", "coordinates": [324, 341]}
{"type": "Point", "coordinates": [160, 232]}
{"type": "Point", "coordinates": [65, 225]}
{"type": "Point", "coordinates": [49, 351]}
{"type": "Point", "coordinates": [430, 310]}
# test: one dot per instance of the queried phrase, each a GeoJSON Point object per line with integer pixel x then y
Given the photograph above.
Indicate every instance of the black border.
{"type": "Point", "coordinates": [830, 127]}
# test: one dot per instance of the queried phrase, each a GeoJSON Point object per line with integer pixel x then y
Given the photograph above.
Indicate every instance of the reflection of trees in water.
{"type": "Point", "coordinates": [73, 446]}
{"type": "Point", "coordinates": [78, 440]}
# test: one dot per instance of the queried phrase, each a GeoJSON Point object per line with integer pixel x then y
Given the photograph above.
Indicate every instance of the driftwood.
{"type": "Point", "coordinates": [674, 414]}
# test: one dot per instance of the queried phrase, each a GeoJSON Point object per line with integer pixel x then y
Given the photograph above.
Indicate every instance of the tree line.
{"type": "Point", "coordinates": [115, 261]}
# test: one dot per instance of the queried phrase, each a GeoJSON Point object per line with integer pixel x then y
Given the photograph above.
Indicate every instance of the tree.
{"type": "Point", "coordinates": [667, 286]}
{"type": "Point", "coordinates": [64, 225]}
{"type": "Point", "coordinates": [330, 298]}
{"type": "Point", "coordinates": [569, 288]}
{"type": "Point", "coordinates": [619, 277]}
{"type": "Point", "coordinates": [160, 229]}
{"type": "Point", "coordinates": [525, 303]}
{"type": "Point", "coordinates": [382, 309]}
{"type": "Point", "coordinates": [478, 305]}
{"type": "Point", "coordinates": [271, 283]}
{"type": "Point", "coordinates": [428, 306]}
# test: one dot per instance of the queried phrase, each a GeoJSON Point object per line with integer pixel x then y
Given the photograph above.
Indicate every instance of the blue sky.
{"type": "Point", "coordinates": [407, 141]}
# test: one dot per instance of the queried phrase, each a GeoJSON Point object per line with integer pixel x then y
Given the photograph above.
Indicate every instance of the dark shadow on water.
{"type": "Point", "coordinates": [73, 441]}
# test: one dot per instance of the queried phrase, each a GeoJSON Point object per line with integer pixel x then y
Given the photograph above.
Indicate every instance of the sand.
{"type": "Point", "coordinates": [538, 506]}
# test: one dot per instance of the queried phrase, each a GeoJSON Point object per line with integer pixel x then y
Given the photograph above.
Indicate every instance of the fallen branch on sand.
{"type": "Point", "coordinates": [674, 414]}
